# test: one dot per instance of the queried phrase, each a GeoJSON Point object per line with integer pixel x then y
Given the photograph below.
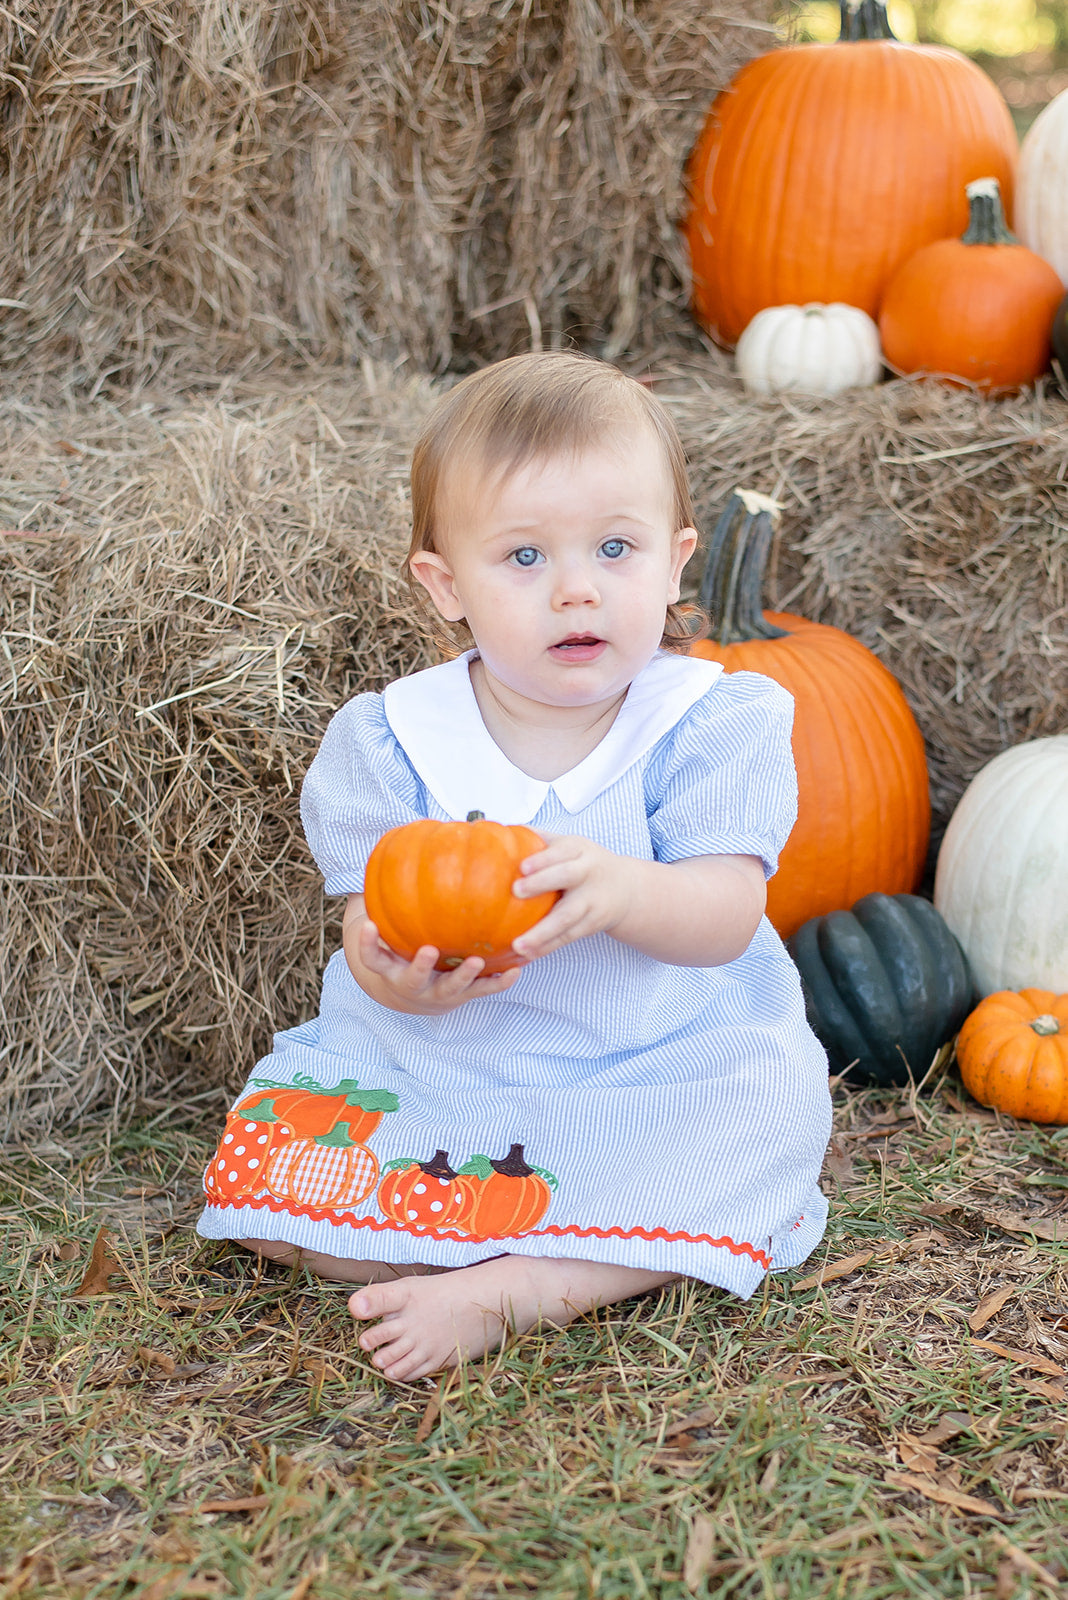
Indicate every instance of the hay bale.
{"type": "Point", "coordinates": [210, 583]}
{"type": "Point", "coordinates": [203, 187]}
{"type": "Point", "coordinates": [930, 523]}
{"type": "Point", "coordinates": [213, 578]}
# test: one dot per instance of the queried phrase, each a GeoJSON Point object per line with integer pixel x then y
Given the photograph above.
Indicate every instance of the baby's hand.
{"type": "Point", "coordinates": [414, 986]}
{"type": "Point", "coordinates": [595, 892]}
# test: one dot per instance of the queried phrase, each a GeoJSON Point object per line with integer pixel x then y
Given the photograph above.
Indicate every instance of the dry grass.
{"type": "Point", "coordinates": [204, 187]}
{"type": "Point", "coordinates": [686, 1444]}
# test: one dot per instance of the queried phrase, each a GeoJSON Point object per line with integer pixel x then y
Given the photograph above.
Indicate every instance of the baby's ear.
{"type": "Point", "coordinates": [435, 574]}
{"type": "Point", "coordinates": [685, 545]}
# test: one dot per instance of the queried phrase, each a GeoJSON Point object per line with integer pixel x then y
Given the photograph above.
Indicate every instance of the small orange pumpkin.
{"type": "Point", "coordinates": [978, 309]}
{"type": "Point", "coordinates": [509, 1197]}
{"type": "Point", "coordinates": [449, 884]}
{"type": "Point", "coordinates": [1013, 1054]}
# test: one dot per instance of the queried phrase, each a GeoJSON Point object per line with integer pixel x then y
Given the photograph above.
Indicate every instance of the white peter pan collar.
{"type": "Point", "coordinates": [435, 718]}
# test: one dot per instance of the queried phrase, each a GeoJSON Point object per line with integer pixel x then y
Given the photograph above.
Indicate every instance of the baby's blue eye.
{"type": "Point", "coordinates": [613, 548]}
{"type": "Point", "coordinates": [526, 557]}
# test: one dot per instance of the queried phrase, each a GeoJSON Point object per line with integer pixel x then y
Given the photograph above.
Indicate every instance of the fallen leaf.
{"type": "Point", "coordinates": [916, 1454]}
{"type": "Point", "coordinates": [839, 1162]}
{"type": "Point", "coordinates": [157, 1358]}
{"type": "Point", "coordinates": [1025, 1358]}
{"type": "Point", "coordinates": [144, 1191]}
{"type": "Point", "coordinates": [433, 1410]}
{"type": "Point", "coordinates": [949, 1424]}
{"type": "Point", "coordinates": [249, 1502]}
{"type": "Point", "coordinates": [834, 1269]}
{"type": "Point", "coordinates": [699, 1547]}
{"type": "Point", "coordinates": [301, 1590]}
{"type": "Point", "coordinates": [920, 1242]}
{"type": "Point", "coordinates": [68, 1251]}
{"type": "Point", "coordinates": [1025, 1563]}
{"type": "Point", "coordinates": [989, 1306]}
{"type": "Point", "coordinates": [1044, 1390]}
{"type": "Point", "coordinates": [946, 1496]}
{"type": "Point", "coordinates": [101, 1265]}
{"type": "Point", "coordinates": [1053, 1229]}
{"type": "Point", "coordinates": [697, 1419]}
{"type": "Point", "coordinates": [1040, 1494]}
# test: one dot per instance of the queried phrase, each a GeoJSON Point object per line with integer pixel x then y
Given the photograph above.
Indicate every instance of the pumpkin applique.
{"type": "Point", "coordinates": [312, 1109]}
{"type": "Point", "coordinates": [323, 1173]}
{"type": "Point", "coordinates": [1013, 1054]}
{"type": "Point", "coordinates": [252, 1134]}
{"type": "Point", "coordinates": [863, 805]}
{"type": "Point", "coordinates": [509, 1197]}
{"type": "Point", "coordinates": [449, 884]}
{"type": "Point", "coordinates": [425, 1196]}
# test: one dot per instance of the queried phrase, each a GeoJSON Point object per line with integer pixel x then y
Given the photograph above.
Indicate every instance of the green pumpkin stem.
{"type": "Point", "coordinates": [336, 1139]}
{"type": "Point", "coordinates": [986, 219]}
{"type": "Point", "coordinates": [864, 19]}
{"type": "Point", "coordinates": [475, 816]}
{"type": "Point", "coordinates": [732, 586]}
{"type": "Point", "coordinates": [1045, 1026]}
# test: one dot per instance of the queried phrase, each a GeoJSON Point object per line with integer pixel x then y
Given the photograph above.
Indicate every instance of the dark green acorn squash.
{"type": "Point", "coordinates": [885, 985]}
{"type": "Point", "coordinates": [1059, 340]}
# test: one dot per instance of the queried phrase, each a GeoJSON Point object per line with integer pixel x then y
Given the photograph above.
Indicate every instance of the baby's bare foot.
{"type": "Point", "coordinates": [424, 1324]}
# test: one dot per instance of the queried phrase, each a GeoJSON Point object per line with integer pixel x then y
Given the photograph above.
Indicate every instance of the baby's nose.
{"type": "Point", "coordinates": [576, 584]}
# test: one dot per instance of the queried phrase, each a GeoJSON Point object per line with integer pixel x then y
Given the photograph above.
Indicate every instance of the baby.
{"type": "Point", "coordinates": [641, 1098]}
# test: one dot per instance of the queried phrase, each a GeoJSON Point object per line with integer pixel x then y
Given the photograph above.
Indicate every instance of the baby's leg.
{"type": "Point", "coordinates": [435, 1321]}
{"type": "Point", "coordinates": [337, 1268]}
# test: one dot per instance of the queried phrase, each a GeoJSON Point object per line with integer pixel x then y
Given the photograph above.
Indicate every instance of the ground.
{"type": "Point", "coordinates": [206, 1429]}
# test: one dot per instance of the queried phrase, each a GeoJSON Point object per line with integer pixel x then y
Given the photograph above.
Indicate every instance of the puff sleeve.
{"type": "Point", "coordinates": [359, 785]}
{"type": "Point", "coordinates": [723, 782]}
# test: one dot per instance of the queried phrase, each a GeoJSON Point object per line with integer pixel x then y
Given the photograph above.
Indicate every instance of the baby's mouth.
{"type": "Point", "coordinates": [578, 646]}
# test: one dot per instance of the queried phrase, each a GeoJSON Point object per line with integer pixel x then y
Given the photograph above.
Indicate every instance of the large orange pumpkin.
{"type": "Point", "coordinates": [863, 806]}
{"type": "Point", "coordinates": [1013, 1054]}
{"type": "Point", "coordinates": [978, 309]}
{"type": "Point", "coordinates": [823, 166]}
{"type": "Point", "coordinates": [449, 884]}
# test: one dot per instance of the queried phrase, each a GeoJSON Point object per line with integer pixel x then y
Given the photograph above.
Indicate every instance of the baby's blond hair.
{"type": "Point", "coordinates": [530, 408]}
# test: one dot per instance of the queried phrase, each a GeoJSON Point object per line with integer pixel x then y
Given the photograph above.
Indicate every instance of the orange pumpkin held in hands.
{"type": "Point", "coordinates": [863, 807]}
{"type": "Point", "coordinates": [449, 884]}
{"type": "Point", "coordinates": [978, 309]}
{"type": "Point", "coordinates": [1013, 1054]}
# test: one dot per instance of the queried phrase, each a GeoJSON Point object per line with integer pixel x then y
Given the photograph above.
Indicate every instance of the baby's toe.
{"type": "Point", "coordinates": [378, 1299]}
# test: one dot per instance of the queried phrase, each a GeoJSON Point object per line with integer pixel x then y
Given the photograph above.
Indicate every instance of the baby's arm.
{"type": "Point", "coordinates": [411, 986]}
{"type": "Point", "coordinates": [699, 912]}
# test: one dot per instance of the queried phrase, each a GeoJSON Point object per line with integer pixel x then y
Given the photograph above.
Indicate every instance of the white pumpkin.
{"type": "Point", "coordinates": [1002, 878]}
{"type": "Point", "coordinates": [1040, 210]}
{"type": "Point", "coordinates": [813, 349]}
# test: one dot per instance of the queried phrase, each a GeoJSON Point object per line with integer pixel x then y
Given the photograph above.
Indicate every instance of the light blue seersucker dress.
{"type": "Point", "coordinates": [607, 1106]}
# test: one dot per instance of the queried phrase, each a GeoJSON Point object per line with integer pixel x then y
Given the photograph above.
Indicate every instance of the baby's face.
{"type": "Point", "coordinates": [563, 569]}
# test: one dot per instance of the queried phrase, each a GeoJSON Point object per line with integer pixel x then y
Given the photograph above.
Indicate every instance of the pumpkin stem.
{"type": "Point", "coordinates": [734, 569]}
{"type": "Point", "coordinates": [986, 221]}
{"type": "Point", "coordinates": [438, 1166]}
{"type": "Point", "coordinates": [513, 1165]}
{"type": "Point", "coordinates": [475, 816]}
{"type": "Point", "coordinates": [864, 19]}
{"type": "Point", "coordinates": [1045, 1025]}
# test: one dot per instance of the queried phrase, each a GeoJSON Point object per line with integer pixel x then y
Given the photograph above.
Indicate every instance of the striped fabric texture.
{"type": "Point", "coordinates": [670, 1118]}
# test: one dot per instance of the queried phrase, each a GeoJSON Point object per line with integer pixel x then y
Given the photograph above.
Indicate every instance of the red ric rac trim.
{"type": "Point", "coordinates": [346, 1218]}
